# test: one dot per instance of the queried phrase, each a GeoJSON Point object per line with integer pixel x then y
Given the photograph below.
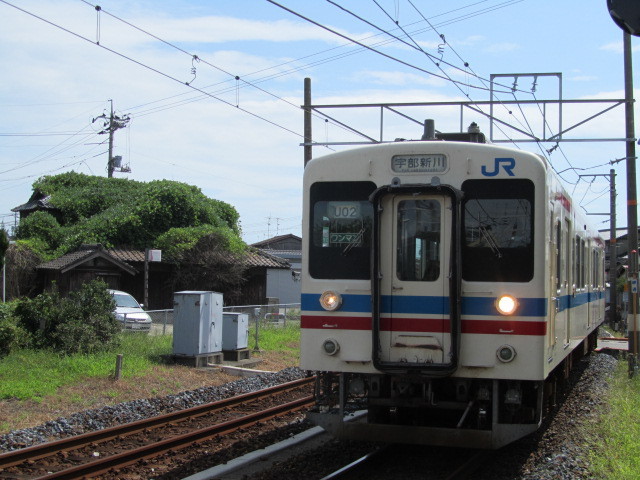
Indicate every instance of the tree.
{"type": "Point", "coordinates": [199, 234]}
{"type": "Point", "coordinates": [120, 212]}
{"type": "Point", "coordinates": [43, 226]}
{"type": "Point", "coordinates": [210, 265]}
{"type": "Point", "coordinates": [22, 259]}
{"type": "Point", "coordinates": [4, 245]}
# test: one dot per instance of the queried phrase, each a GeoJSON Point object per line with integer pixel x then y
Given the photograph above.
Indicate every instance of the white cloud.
{"type": "Point", "coordinates": [617, 47]}
{"type": "Point", "coordinates": [501, 47]}
{"type": "Point", "coordinates": [583, 78]}
{"type": "Point", "coordinates": [399, 78]}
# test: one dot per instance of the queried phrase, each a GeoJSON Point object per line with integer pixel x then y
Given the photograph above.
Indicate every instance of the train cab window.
{"type": "Point", "coordinates": [418, 240]}
{"type": "Point", "coordinates": [341, 222]}
{"type": "Point", "coordinates": [497, 243]}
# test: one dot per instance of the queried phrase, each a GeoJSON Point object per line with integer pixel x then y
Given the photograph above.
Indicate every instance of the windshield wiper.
{"type": "Point", "coordinates": [354, 241]}
{"type": "Point", "coordinates": [486, 234]}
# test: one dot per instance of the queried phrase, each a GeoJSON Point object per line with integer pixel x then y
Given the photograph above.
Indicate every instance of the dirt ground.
{"type": "Point", "coordinates": [94, 393]}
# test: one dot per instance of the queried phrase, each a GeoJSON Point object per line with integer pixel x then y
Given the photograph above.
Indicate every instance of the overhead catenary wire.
{"type": "Point", "coordinates": [205, 95]}
{"type": "Point", "coordinates": [526, 125]}
{"type": "Point", "coordinates": [482, 80]}
{"type": "Point", "coordinates": [514, 89]}
{"type": "Point", "coordinates": [357, 42]}
{"type": "Point", "coordinates": [420, 49]}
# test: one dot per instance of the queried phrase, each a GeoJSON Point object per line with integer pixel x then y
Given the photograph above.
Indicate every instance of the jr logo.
{"type": "Point", "coordinates": [507, 164]}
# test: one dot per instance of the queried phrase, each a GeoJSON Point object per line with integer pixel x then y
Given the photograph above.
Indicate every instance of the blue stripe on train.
{"type": "Point", "coordinates": [433, 305]}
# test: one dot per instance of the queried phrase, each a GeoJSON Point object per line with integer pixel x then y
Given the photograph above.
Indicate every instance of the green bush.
{"type": "Point", "coordinates": [12, 336]}
{"type": "Point", "coordinates": [83, 322]}
{"type": "Point", "coordinates": [42, 226]}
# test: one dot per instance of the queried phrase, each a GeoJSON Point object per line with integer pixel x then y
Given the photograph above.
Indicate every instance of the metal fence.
{"type": "Point", "coordinates": [261, 315]}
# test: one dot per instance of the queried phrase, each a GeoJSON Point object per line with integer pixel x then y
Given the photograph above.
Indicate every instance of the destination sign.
{"type": "Point", "coordinates": [431, 163]}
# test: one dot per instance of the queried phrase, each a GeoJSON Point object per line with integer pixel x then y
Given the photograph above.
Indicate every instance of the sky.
{"type": "Point", "coordinates": [213, 90]}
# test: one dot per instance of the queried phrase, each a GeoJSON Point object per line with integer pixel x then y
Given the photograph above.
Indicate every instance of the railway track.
{"type": "Point", "coordinates": [97, 453]}
{"type": "Point", "coordinates": [452, 464]}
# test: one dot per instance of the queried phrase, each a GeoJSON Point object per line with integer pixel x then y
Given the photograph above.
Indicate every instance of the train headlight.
{"type": "Point", "coordinates": [506, 353]}
{"type": "Point", "coordinates": [331, 300]}
{"type": "Point", "coordinates": [330, 346]}
{"type": "Point", "coordinates": [506, 304]}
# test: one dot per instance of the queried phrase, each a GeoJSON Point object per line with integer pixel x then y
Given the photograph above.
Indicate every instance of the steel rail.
{"type": "Point", "coordinates": [349, 469]}
{"type": "Point", "coordinates": [43, 450]}
{"type": "Point", "coordinates": [96, 467]}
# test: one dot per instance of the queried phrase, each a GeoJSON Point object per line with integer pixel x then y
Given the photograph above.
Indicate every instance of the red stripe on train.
{"type": "Point", "coordinates": [492, 327]}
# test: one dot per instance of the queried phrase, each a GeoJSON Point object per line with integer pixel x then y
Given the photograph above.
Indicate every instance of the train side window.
{"type": "Point", "coordinates": [578, 264]}
{"type": "Point", "coordinates": [584, 265]}
{"type": "Point", "coordinates": [558, 256]}
{"type": "Point", "coordinates": [418, 253]}
{"type": "Point", "coordinates": [498, 236]}
{"type": "Point", "coordinates": [340, 224]}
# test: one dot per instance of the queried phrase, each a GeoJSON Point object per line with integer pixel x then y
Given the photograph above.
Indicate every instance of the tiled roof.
{"type": "Point", "coordinates": [84, 254]}
{"type": "Point", "coordinates": [254, 257]}
{"type": "Point", "coordinates": [259, 258]}
{"type": "Point", "coordinates": [127, 255]}
{"type": "Point", "coordinates": [269, 241]}
{"type": "Point", "coordinates": [37, 201]}
{"type": "Point", "coordinates": [283, 253]}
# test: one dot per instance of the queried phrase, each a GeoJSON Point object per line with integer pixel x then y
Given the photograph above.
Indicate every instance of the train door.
{"type": "Point", "coordinates": [414, 274]}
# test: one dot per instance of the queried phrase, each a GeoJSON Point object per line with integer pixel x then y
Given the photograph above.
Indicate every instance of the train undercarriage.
{"type": "Point", "coordinates": [451, 411]}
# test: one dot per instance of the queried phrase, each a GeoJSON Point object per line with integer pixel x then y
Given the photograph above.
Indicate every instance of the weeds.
{"type": "Point", "coordinates": [277, 337]}
{"type": "Point", "coordinates": [616, 454]}
{"type": "Point", "coordinates": [32, 374]}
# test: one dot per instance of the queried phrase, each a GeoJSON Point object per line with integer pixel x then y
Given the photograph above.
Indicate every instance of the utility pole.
{"type": "Point", "coordinates": [308, 139]}
{"type": "Point", "coordinates": [632, 201]}
{"type": "Point", "coordinates": [110, 126]}
{"type": "Point", "coordinates": [613, 252]}
{"type": "Point", "coordinates": [111, 131]}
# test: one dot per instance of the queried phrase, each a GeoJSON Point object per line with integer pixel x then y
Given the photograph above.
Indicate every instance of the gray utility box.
{"type": "Point", "coordinates": [197, 323]}
{"type": "Point", "coordinates": [235, 331]}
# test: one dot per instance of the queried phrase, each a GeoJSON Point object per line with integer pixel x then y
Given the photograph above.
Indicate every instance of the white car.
{"type": "Point", "coordinates": [130, 312]}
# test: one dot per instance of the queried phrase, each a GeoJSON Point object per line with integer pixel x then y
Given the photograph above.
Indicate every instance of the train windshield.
{"type": "Point", "coordinates": [341, 222]}
{"type": "Point", "coordinates": [498, 230]}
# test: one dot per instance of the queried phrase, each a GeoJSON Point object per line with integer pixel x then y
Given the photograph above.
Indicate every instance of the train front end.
{"type": "Point", "coordinates": [425, 292]}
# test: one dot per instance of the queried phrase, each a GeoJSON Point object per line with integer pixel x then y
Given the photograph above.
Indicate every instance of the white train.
{"type": "Point", "coordinates": [446, 287]}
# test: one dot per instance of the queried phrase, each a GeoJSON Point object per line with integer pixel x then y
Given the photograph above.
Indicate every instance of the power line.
{"type": "Point", "coordinates": [41, 134]}
{"type": "Point", "coordinates": [153, 69]}
{"type": "Point", "coordinates": [315, 63]}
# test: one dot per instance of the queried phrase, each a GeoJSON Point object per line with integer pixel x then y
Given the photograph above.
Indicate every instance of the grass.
{"type": "Point", "coordinates": [37, 386]}
{"type": "Point", "coordinates": [616, 455]}
{"type": "Point", "coordinates": [277, 337]}
{"type": "Point", "coordinates": [32, 374]}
